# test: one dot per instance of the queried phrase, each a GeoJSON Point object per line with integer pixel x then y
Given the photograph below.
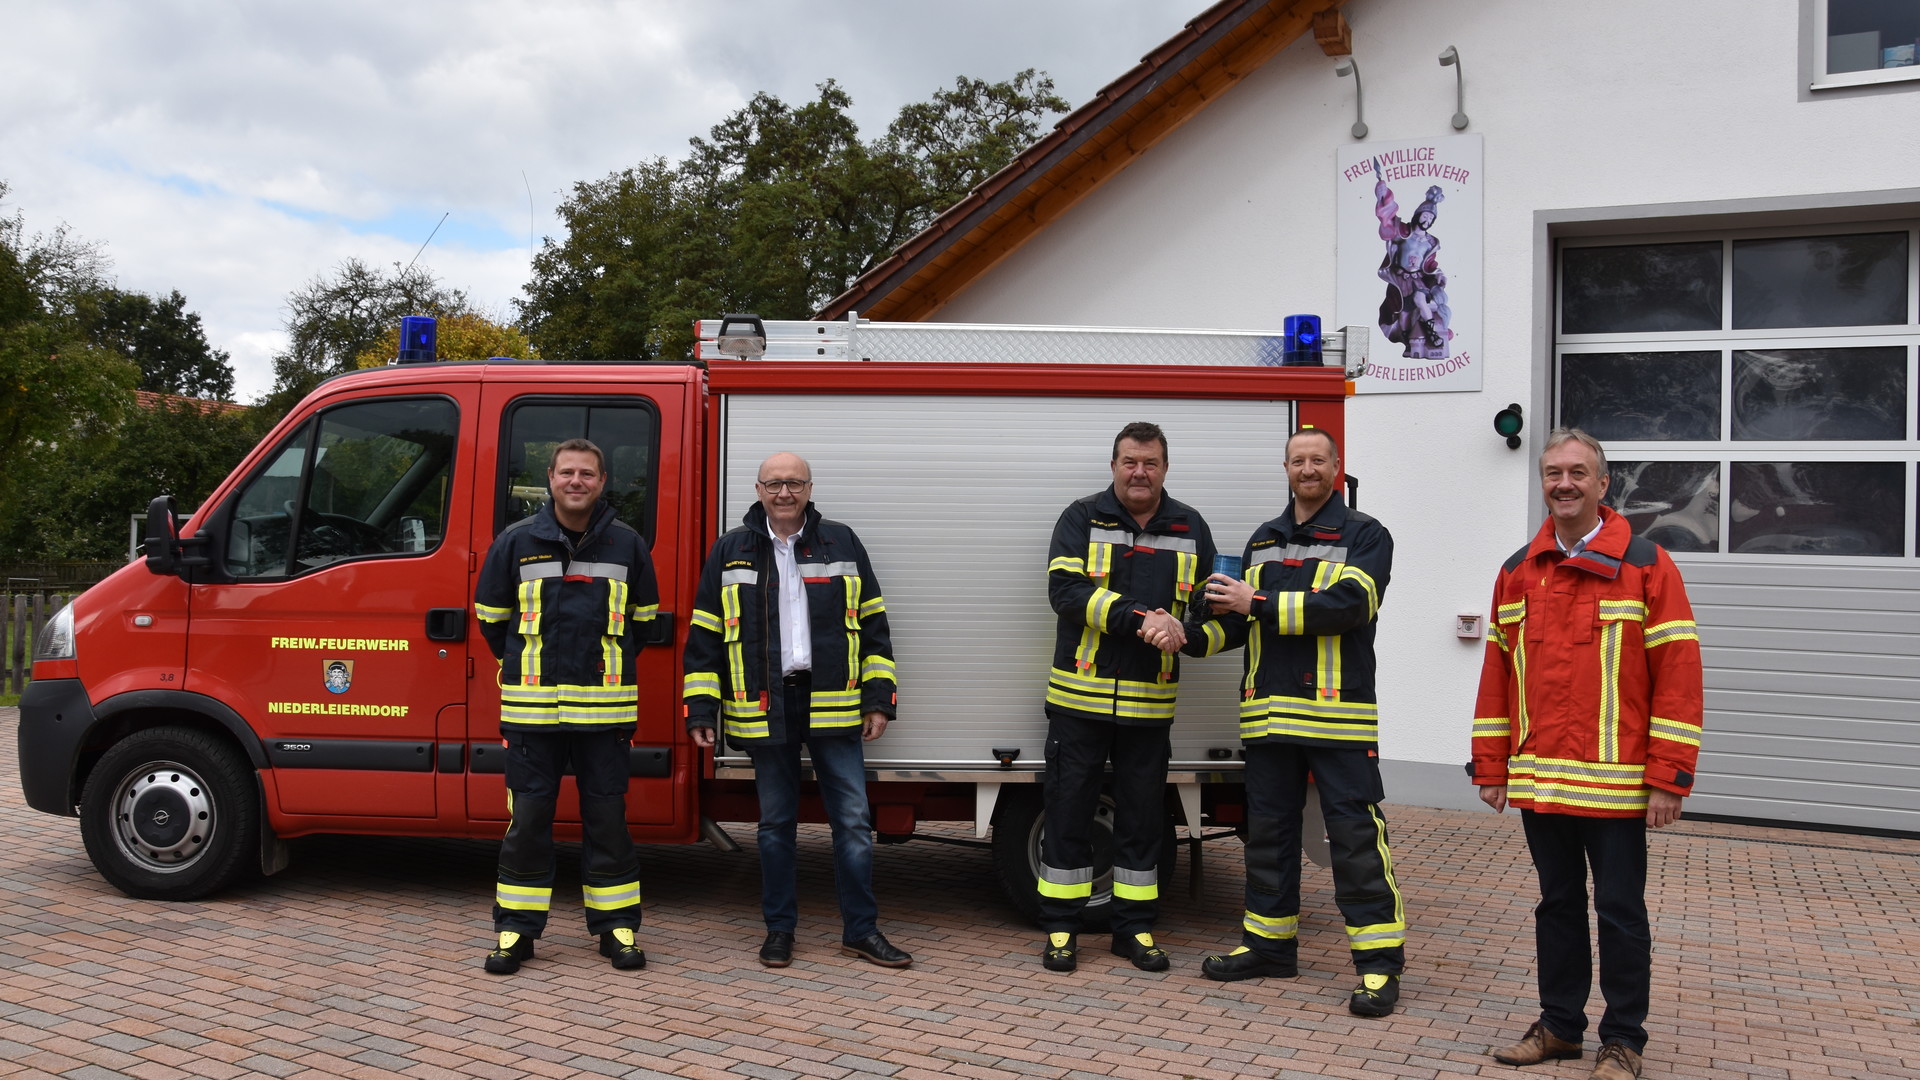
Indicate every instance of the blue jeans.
{"type": "Point", "coordinates": [841, 768]}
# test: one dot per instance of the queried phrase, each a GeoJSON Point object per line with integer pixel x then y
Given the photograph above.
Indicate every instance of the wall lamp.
{"type": "Point", "coordinates": [1451, 58]}
{"type": "Point", "coordinates": [1343, 69]}
{"type": "Point", "coordinates": [1508, 422]}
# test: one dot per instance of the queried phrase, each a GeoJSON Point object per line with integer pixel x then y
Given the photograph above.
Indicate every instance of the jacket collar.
{"type": "Point", "coordinates": [1331, 517]}
{"type": "Point", "coordinates": [1600, 557]}
{"type": "Point", "coordinates": [1168, 517]}
{"type": "Point", "coordinates": [547, 527]}
{"type": "Point", "coordinates": [755, 519]}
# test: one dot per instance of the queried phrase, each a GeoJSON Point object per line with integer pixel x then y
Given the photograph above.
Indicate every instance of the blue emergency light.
{"type": "Point", "coordinates": [419, 335]}
{"type": "Point", "coordinates": [1302, 341]}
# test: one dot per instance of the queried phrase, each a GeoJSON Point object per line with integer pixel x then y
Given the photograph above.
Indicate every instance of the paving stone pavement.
{"type": "Point", "coordinates": [1778, 953]}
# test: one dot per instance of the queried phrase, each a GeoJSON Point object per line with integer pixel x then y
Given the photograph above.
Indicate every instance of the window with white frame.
{"type": "Point", "coordinates": [1861, 42]}
{"type": "Point", "coordinates": [1756, 391]}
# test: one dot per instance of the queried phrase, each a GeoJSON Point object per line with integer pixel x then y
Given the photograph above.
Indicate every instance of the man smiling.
{"type": "Point", "coordinates": [1120, 574]}
{"type": "Point", "coordinates": [1588, 720]}
{"type": "Point", "coordinates": [1315, 578]}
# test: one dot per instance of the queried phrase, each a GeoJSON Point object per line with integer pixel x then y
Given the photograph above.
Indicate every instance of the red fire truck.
{"type": "Point", "coordinates": [300, 655]}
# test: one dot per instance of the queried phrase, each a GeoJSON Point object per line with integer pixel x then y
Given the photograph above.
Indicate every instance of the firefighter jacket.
{"type": "Point", "coordinates": [565, 619]}
{"type": "Point", "coordinates": [733, 675]}
{"type": "Point", "coordinates": [1317, 587]}
{"type": "Point", "coordinates": [1104, 576]}
{"type": "Point", "coordinates": [1591, 688]}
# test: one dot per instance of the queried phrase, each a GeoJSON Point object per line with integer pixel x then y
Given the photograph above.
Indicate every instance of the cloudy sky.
{"type": "Point", "coordinates": [235, 150]}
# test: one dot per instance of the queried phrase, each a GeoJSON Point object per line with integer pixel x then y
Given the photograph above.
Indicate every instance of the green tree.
{"type": "Point", "coordinates": [463, 335]}
{"type": "Point", "coordinates": [75, 498]}
{"type": "Point", "coordinates": [163, 337]}
{"type": "Point", "coordinates": [56, 388]}
{"type": "Point", "coordinates": [334, 318]}
{"type": "Point", "coordinates": [777, 211]}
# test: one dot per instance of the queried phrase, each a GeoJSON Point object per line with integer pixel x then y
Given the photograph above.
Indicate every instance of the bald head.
{"type": "Point", "coordinates": [784, 487]}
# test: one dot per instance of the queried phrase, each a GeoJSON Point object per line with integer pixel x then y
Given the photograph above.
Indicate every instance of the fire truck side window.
{"type": "Point", "coordinates": [624, 430]}
{"type": "Point", "coordinates": [375, 482]}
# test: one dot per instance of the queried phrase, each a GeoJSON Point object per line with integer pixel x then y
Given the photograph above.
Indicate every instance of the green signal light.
{"type": "Point", "coordinates": [1508, 422]}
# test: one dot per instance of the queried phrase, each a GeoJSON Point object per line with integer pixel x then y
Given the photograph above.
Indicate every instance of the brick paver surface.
{"type": "Point", "coordinates": [1777, 954]}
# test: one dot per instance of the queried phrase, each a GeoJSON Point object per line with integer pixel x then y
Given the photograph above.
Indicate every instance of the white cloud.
{"type": "Point", "coordinates": [235, 151]}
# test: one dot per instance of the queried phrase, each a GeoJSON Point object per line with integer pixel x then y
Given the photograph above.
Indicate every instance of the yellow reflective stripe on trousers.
{"type": "Point", "coordinates": [522, 897]}
{"type": "Point", "coordinates": [1377, 936]}
{"type": "Point", "coordinates": [1276, 927]}
{"type": "Point", "coordinates": [1065, 884]}
{"type": "Point", "coordinates": [1135, 884]}
{"type": "Point", "coordinates": [610, 897]}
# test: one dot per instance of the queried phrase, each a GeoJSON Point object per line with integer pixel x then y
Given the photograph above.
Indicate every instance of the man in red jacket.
{"type": "Point", "coordinates": [1588, 721]}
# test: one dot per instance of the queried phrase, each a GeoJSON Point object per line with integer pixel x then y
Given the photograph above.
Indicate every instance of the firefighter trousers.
{"type": "Point", "coordinates": [1077, 754]}
{"type": "Point", "coordinates": [1364, 889]}
{"type": "Point", "coordinates": [609, 863]}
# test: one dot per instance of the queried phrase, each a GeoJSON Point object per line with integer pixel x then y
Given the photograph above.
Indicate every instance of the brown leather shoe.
{"type": "Point", "coordinates": [1616, 1061]}
{"type": "Point", "coordinates": [1536, 1046]}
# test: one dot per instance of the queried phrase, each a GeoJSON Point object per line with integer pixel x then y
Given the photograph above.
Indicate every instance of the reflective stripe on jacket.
{"type": "Point", "coordinates": [565, 620]}
{"type": "Point", "coordinates": [733, 677]}
{"type": "Point", "coordinates": [1591, 689]}
{"type": "Point", "coordinates": [1309, 671]}
{"type": "Point", "coordinates": [1105, 574]}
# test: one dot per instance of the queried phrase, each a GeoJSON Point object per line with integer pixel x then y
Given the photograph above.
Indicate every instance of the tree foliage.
{"type": "Point", "coordinates": [74, 499]}
{"type": "Point", "coordinates": [334, 318]}
{"type": "Point", "coordinates": [163, 337]}
{"type": "Point", "coordinates": [51, 377]}
{"type": "Point", "coordinates": [776, 211]}
{"type": "Point", "coordinates": [463, 335]}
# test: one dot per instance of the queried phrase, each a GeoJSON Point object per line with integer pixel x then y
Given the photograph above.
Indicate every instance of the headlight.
{"type": "Point", "coordinates": [56, 641]}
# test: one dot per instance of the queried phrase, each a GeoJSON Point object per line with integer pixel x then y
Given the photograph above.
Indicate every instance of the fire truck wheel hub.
{"type": "Point", "coordinates": [163, 816]}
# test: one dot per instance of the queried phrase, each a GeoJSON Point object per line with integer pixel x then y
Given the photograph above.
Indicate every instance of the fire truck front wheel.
{"type": "Point", "coordinates": [170, 813]}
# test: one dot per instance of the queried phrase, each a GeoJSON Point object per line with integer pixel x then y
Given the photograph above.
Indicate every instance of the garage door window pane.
{"type": "Point", "coordinates": [1818, 508]}
{"type": "Point", "coordinates": [1664, 396]}
{"type": "Point", "coordinates": [1675, 504]}
{"type": "Point", "coordinates": [1640, 288]}
{"type": "Point", "coordinates": [1820, 281]}
{"type": "Point", "coordinates": [1820, 393]}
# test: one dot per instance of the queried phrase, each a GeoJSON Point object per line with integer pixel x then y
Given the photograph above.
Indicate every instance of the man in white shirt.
{"type": "Point", "coordinates": [788, 644]}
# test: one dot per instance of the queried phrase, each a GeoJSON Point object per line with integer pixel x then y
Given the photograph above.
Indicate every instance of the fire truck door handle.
{"type": "Point", "coordinates": [659, 629]}
{"type": "Point", "coordinates": [446, 624]}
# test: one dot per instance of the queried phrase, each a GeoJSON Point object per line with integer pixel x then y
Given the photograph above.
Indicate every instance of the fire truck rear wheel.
{"type": "Point", "coordinates": [1017, 827]}
{"type": "Point", "coordinates": [170, 814]}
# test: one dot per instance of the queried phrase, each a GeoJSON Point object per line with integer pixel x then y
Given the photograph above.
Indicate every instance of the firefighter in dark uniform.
{"type": "Point", "coordinates": [1315, 577]}
{"type": "Point", "coordinates": [1122, 571]}
{"type": "Point", "coordinates": [562, 598]}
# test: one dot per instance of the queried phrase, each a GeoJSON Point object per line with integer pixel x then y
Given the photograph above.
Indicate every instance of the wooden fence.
{"type": "Point", "coordinates": [23, 617]}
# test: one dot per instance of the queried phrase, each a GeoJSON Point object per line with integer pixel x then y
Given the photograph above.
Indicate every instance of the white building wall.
{"type": "Point", "coordinates": [1229, 222]}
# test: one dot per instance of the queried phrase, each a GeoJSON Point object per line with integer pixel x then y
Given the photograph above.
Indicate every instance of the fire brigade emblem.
{"type": "Point", "coordinates": [338, 675]}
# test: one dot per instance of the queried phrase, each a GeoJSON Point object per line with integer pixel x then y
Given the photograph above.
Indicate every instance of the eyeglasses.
{"type": "Point", "coordinates": [775, 487]}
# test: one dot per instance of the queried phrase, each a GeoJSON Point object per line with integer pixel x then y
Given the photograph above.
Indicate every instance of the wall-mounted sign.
{"type": "Point", "coordinates": [1408, 221]}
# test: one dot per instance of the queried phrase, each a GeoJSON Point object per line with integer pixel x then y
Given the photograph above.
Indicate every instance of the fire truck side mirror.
{"type": "Point", "coordinates": [162, 540]}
